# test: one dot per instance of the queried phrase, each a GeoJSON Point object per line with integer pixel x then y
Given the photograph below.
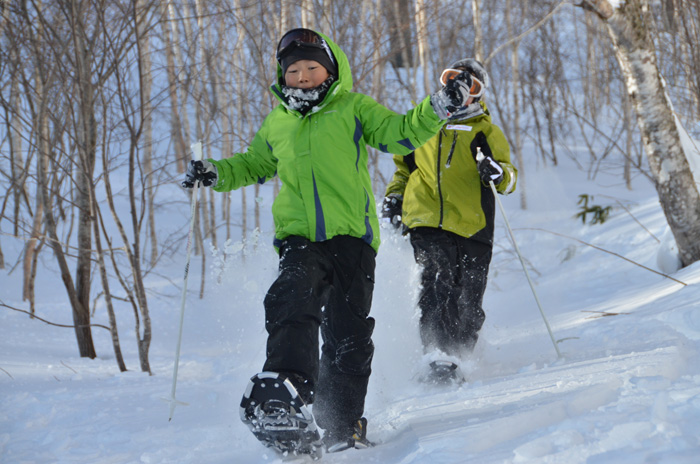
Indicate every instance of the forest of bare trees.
{"type": "Point", "coordinates": [101, 99]}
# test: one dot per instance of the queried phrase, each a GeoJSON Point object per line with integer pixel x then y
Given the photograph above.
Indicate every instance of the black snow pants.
{"type": "Point", "coordinates": [453, 279]}
{"type": "Point", "coordinates": [328, 285]}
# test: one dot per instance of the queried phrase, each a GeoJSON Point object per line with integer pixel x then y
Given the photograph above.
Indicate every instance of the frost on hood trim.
{"type": "Point", "coordinates": [304, 99]}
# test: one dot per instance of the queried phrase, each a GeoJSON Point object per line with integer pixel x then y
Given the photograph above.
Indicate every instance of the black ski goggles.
{"type": "Point", "coordinates": [301, 38]}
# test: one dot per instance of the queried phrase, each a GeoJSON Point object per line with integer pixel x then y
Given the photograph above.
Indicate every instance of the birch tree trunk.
{"type": "Point", "coordinates": [13, 128]}
{"type": "Point", "coordinates": [178, 65]}
{"type": "Point", "coordinates": [143, 39]}
{"type": "Point", "coordinates": [104, 276]}
{"type": "Point", "coordinates": [627, 121]}
{"type": "Point", "coordinates": [326, 13]}
{"type": "Point", "coordinates": [224, 70]}
{"type": "Point", "coordinates": [18, 171]}
{"type": "Point", "coordinates": [134, 123]}
{"type": "Point", "coordinates": [373, 8]}
{"type": "Point", "coordinates": [40, 129]}
{"type": "Point", "coordinates": [478, 32]}
{"type": "Point", "coordinates": [33, 245]}
{"type": "Point", "coordinates": [81, 314]}
{"type": "Point", "coordinates": [515, 88]}
{"type": "Point", "coordinates": [205, 113]}
{"type": "Point", "coordinates": [87, 145]}
{"type": "Point", "coordinates": [401, 33]}
{"type": "Point", "coordinates": [284, 18]}
{"type": "Point", "coordinates": [240, 79]}
{"type": "Point", "coordinates": [307, 16]}
{"type": "Point", "coordinates": [590, 81]}
{"type": "Point", "coordinates": [629, 26]}
{"type": "Point", "coordinates": [169, 44]}
{"type": "Point", "coordinates": [423, 47]}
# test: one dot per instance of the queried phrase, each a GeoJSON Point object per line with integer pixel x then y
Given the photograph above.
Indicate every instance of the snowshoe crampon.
{"type": "Point", "coordinates": [278, 417]}
{"type": "Point", "coordinates": [443, 373]}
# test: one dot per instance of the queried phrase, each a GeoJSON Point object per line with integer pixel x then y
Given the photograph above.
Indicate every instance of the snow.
{"type": "Point", "coordinates": [626, 390]}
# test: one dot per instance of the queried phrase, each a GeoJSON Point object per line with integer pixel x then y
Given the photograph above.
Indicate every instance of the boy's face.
{"type": "Point", "coordinates": [305, 74]}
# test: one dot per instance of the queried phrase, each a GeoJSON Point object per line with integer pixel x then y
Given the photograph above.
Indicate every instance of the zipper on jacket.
{"type": "Point", "coordinates": [439, 186]}
{"type": "Point", "coordinates": [452, 150]}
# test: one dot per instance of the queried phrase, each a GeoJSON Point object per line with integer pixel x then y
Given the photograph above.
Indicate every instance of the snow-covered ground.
{"type": "Point", "coordinates": [626, 390]}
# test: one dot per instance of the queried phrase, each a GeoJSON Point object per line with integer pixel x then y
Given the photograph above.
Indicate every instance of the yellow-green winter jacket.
{"type": "Point", "coordinates": [440, 183]}
{"type": "Point", "coordinates": [321, 158]}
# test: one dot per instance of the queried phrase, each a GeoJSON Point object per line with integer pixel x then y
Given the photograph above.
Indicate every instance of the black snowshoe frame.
{"type": "Point", "coordinates": [443, 373]}
{"type": "Point", "coordinates": [278, 417]}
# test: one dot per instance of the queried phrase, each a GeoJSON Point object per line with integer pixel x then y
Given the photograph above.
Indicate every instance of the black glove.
{"type": "Point", "coordinates": [202, 171]}
{"type": "Point", "coordinates": [489, 169]}
{"type": "Point", "coordinates": [391, 209]}
{"type": "Point", "coordinates": [452, 96]}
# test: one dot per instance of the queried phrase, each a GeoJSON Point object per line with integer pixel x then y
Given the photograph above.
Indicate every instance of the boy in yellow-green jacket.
{"type": "Point", "coordinates": [441, 196]}
{"type": "Point", "coordinates": [327, 233]}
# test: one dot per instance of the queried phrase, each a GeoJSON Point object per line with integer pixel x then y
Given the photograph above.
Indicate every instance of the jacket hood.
{"type": "Point", "coordinates": [343, 82]}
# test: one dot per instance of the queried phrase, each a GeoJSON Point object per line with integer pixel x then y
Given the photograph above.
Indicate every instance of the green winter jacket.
{"type": "Point", "coordinates": [321, 158]}
{"type": "Point", "coordinates": [440, 183]}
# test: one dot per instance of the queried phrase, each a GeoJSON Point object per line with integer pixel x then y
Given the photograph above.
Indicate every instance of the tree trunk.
{"type": "Point", "coordinates": [171, 53]}
{"type": "Point", "coordinates": [307, 18]}
{"type": "Point", "coordinates": [590, 81]}
{"type": "Point", "coordinates": [373, 8]}
{"type": "Point", "coordinates": [326, 8]}
{"type": "Point", "coordinates": [397, 12]}
{"type": "Point", "coordinates": [239, 70]}
{"type": "Point", "coordinates": [143, 39]}
{"type": "Point", "coordinates": [87, 143]}
{"type": "Point", "coordinates": [515, 87]}
{"type": "Point", "coordinates": [102, 267]}
{"type": "Point", "coordinates": [478, 32]}
{"type": "Point", "coordinates": [38, 37]}
{"type": "Point", "coordinates": [629, 26]}
{"type": "Point", "coordinates": [31, 248]}
{"type": "Point", "coordinates": [422, 34]}
{"type": "Point", "coordinates": [629, 142]}
{"type": "Point", "coordinates": [81, 314]}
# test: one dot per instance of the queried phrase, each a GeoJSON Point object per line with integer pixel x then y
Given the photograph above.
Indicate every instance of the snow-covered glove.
{"type": "Point", "coordinates": [452, 96]}
{"type": "Point", "coordinates": [391, 209]}
{"type": "Point", "coordinates": [202, 171]}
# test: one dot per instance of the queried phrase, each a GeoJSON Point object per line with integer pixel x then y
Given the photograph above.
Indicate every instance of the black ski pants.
{"type": "Point", "coordinates": [453, 278]}
{"type": "Point", "coordinates": [326, 285]}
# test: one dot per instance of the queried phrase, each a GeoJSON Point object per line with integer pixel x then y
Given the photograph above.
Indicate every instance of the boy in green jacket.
{"type": "Point", "coordinates": [326, 226]}
{"type": "Point", "coordinates": [441, 195]}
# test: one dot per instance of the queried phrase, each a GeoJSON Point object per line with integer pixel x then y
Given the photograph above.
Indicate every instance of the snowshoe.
{"type": "Point", "coordinates": [273, 410]}
{"type": "Point", "coordinates": [443, 373]}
